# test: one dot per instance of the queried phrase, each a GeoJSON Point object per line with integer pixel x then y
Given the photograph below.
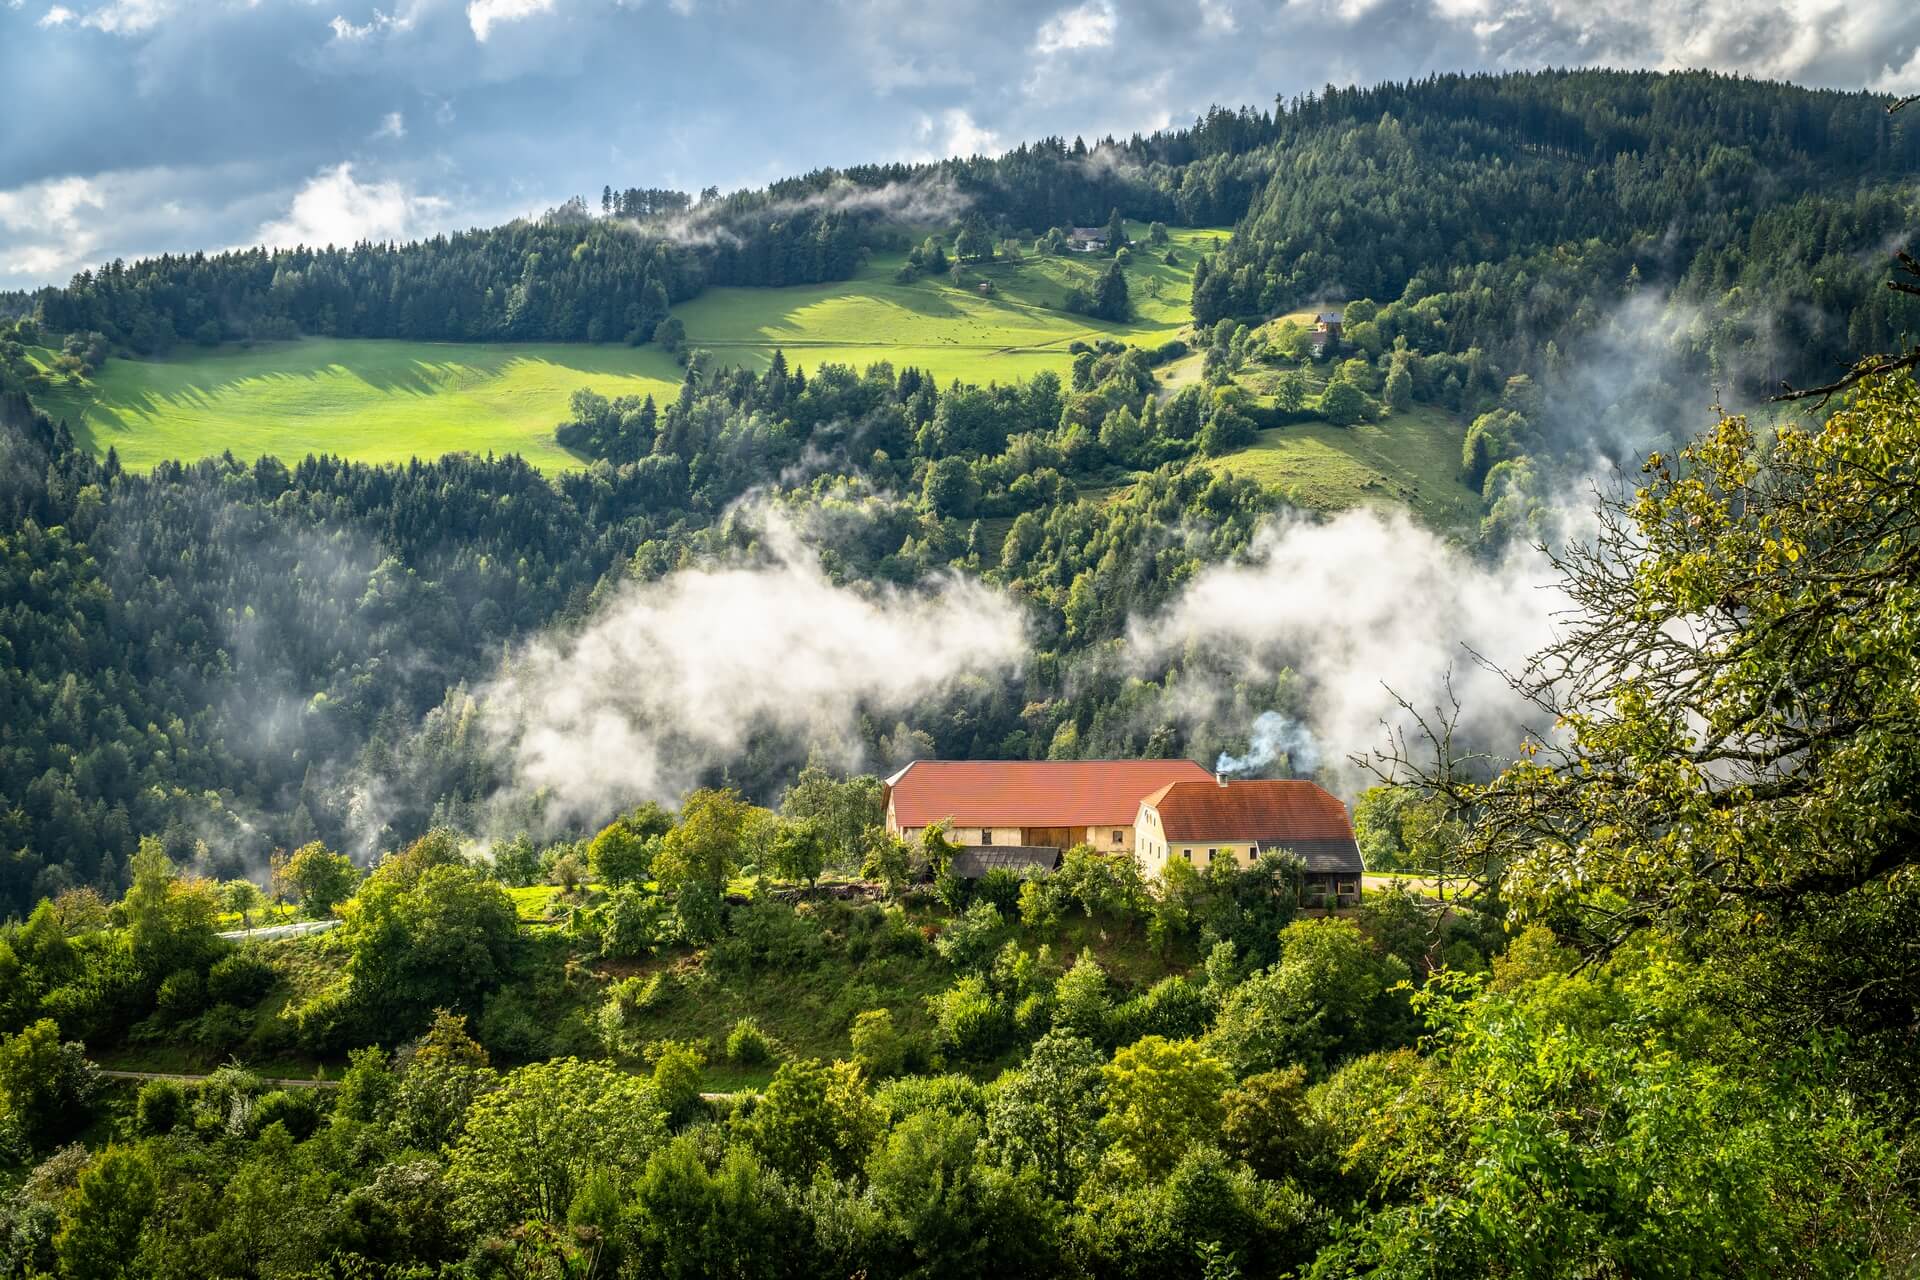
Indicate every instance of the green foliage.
{"type": "Point", "coordinates": [426, 931]}
{"type": "Point", "coordinates": [530, 1143]}
{"type": "Point", "coordinates": [1331, 995]}
{"type": "Point", "coordinates": [622, 853]}
{"type": "Point", "coordinates": [101, 1221]}
{"type": "Point", "coordinates": [878, 1047]}
{"type": "Point", "coordinates": [748, 1045]}
{"type": "Point", "coordinates": [1044, 1116]}
{"type": "Point", "coordinates": [317, 878]}
{"type": "Point", "coordinates": [813, 1115]}
{"type": "Point", "coordinates": [46, 1087]}
{"type": "Point", "coordinates": [1163, 1097]}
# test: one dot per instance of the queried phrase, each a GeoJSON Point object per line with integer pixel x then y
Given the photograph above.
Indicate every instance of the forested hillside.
{"type": "Point", "coordinates": [225, 652]}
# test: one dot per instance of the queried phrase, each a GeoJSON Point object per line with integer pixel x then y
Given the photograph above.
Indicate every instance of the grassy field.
{"type": "Point", "coordinates": [948, 328]}
{"type": "Point", "coordinates": [1410, 459]}
{"type": "Point", "coordinates": [388, 401]}
{"type": "Point", "coordinates": [370, 400]}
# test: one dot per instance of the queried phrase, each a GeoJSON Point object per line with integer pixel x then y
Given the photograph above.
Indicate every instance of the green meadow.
{"type": "Point", "coordinates": [1409, 459]}
{"type": "Point", "coordinates": [370, 400]}
{"type": "Point", "coordinates": [950, 328]}
{"type": "Point", "coordinates": [377, 400]}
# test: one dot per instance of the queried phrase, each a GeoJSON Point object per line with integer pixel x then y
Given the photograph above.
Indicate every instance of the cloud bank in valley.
{"type": "Point", "coordinates": [675, 677]}
{"type": "Point", "coordinates": [1367, 608]}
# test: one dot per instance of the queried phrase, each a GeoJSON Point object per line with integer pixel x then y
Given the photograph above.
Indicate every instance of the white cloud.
{"type": "Point", "coordinates": [380, 23]}
{"type": "Point", "coordinates": [1086, 26]}
{"type": "Point", "coordinates": [484, 15]}
{"type": "Point", "coordinates": [682, 675]}
{"type": "Point", "coordinates": [1216, 16]}
{"type": "Point", "coordinates": [392, 125]}
{"type": "Point", "coordinates": [130, 17]}
{"type": "Point", "coordinates": [335, 207]}
{"type": "Point", "coordinates": [961, 136]}
{"type": "Point", "coordinates": [46, 225]}
{"type": "Point", "coordinates": [57, 16]}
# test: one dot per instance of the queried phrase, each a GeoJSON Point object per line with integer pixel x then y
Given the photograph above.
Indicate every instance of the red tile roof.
{"type": "Point", "coordinates": [1032, 793]}
{"type": "Point", "coordinates": [1253, 809]}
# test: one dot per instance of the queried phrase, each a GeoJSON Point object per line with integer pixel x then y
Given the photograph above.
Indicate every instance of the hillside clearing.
{"type": "Point", "coordinates": [1410, 459]}
{"type": "Point", "coordinates": [384, 400]}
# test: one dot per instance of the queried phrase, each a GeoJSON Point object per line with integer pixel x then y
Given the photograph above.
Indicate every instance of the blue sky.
{"type": "Point", "coordinates": [138, 126]}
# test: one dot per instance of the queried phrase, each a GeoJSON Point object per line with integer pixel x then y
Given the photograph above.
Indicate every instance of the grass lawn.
{"type": "Point", "coordinates": [371, 400]}
{"type": "Point", "coordinates": [376, 400]}
{"type": "Point", "coordinates": [1410, 459]}
{"type": "Point", "coordinates": [951, 330]}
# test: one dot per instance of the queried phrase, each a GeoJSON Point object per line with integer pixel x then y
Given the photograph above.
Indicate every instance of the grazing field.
{"type": "Point", "coordinates": [369, 400]}
{"type": "Point", "coordinates": [1410, 459]}
{"type": "Point", "coordinates": [948, 327]}
{"type": "Point", "coordinates": [376, 400]}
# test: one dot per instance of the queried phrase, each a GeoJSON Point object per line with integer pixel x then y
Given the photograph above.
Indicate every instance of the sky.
{"type": "Point", "coordinates": [143, 126]}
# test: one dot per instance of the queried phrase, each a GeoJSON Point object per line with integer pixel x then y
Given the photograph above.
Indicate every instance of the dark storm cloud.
{"type": "Point", "coordinates": [145, 125]}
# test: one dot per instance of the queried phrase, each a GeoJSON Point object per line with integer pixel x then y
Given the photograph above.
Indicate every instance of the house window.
{"type": "Point", "coordinates": [1344, 886]}
{"type": "Point", "coordinates": [1210, 854]}
{"type": "Point", "coordinates": [1119, 836]}
{"type": "Point", "coordinates": [986, 835]}
{"type": "Point", "coordinates": [1187, 854]}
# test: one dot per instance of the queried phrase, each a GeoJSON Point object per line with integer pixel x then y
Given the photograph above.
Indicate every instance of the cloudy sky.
{"type": "Point", "coordinates": [137, 126]}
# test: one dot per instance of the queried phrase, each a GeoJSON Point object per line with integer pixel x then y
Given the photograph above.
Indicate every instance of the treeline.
{"type": "Point", "coordinates": [551, 280]}
{"type": "Point", "coordinates": [1514, 210]}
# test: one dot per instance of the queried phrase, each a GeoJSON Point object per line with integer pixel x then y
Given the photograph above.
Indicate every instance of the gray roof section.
{"type": "Point", "coordinates": [975, 861]}
{"type": "Point", "coordinates": [1322, 857]}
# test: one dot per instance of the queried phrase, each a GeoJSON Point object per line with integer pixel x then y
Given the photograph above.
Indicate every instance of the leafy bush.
{"type": "Point", "coordinates": [297, 1109]}
{"type": "Point", "coordinates": [971, 939]}
{"type": "Point", "coordinates": [239, 978]}
{"type": "Point", "coordinates": [161, 1105]}
{"type": "Point", "coordinates": [748, 1045]}
{"type": "Point", "coordinates": [182, 994]}
{"type": "Point", "coordinates": [877, 1045]}
{"type": "Point", "coordinates": [634, 923]}
{"type": "Point", "coordinates": [970, 1022]}
{"type": "Point", "coordinates": [222, 1028]}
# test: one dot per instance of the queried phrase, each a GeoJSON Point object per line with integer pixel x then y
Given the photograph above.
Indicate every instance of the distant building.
{"type": "Point", "coordinates": [1201, 822]}
{"type": "Point", "coordinates": [1326, 331]}
{"type": "Point", "coordinates": [1087, 239]}
{"type": "Point", "coordinates": [1029, 804]}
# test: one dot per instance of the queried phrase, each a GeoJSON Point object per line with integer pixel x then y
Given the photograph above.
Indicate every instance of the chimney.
{"type": "Point", "coordinates": [1220, 778]}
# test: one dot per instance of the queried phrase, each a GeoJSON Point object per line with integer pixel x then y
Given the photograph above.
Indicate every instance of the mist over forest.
{"type": "Point", "coordinates": [488, 867]}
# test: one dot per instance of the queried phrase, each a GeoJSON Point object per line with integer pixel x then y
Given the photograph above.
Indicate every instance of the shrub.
{"type": "Point", "coordinates": [970, 1021]}
{"type": "Point", "coordinates": [161, 1106]}
{"type": "Point", "coordinates": [183, 994]}
{"type": "Point", "coordinates": [297, 1109]}
{"type": "Point", "coordinates": [221, 1028]}
{"type": "Point", "coordinates": [748, 1045]}
{"type": "Point", "coordinates": [239, 978]}
{"type": "Point", "coordinates": [971, 939]}
{"type": "Point", "coordinates": [877, 1045]}
{"type": "Point", "coordinates": [1001, 887]}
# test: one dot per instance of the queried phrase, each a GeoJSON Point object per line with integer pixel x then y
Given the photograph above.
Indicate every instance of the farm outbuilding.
{"type": "Point", "coordinates": [1199, 823]}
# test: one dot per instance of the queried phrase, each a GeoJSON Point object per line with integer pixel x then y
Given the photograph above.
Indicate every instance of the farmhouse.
{"type": "Point", "coordinates": [1326, 331]}
{"type": "Point", "coordinates": [1199, 822]}
{"type": "Point", "coordinates": [1020, 814]}
{"type": "Point", "coordinates": [1030, 804]}
{"type": "Point", "coordinates": [1087, 239]}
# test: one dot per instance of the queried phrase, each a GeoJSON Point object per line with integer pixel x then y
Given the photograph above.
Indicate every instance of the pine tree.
{"type": "Point", "coordinates": [1111, 302]}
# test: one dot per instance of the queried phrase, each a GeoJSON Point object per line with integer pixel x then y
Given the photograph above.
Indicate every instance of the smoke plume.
{"type": "Point", "coordinates": [1367, 608]}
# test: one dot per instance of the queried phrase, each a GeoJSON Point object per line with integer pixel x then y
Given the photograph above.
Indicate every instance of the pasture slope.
{"type": "Point", "coordinates": [371, 400]}
{"type": "Point", "coordinates": [376, 400]}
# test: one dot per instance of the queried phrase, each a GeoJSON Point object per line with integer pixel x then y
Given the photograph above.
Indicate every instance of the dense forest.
{"type": "Point", "coordinates": [1649, 1006]}
{"type": "Point", "coordinates": [1666, 1029]}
